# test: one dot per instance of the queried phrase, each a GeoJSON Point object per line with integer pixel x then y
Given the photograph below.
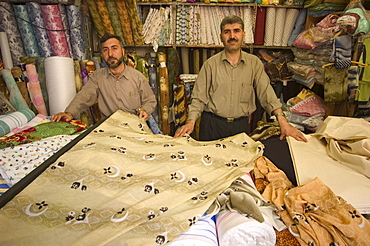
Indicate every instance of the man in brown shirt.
{"type": "Point", "coordinates": [224, 91]}
{"type": "Point", "coordinates": [116, 87]}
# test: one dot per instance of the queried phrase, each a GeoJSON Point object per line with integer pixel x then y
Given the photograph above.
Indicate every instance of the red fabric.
{"type": "Point", "coordinates": [259, 34]}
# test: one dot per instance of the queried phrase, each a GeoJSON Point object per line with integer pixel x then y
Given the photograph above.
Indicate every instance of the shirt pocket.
{"type": "Point", "coordinates": [246, 93]}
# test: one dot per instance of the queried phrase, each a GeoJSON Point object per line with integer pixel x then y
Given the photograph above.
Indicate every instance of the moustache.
{"type": "Point", "coordinates": [232, 39]}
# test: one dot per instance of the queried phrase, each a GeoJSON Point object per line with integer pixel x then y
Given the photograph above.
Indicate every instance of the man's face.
{"type": "Point", "coordinates": [232, 36]}
{"type": "Point", "coordinates": [112, 52]}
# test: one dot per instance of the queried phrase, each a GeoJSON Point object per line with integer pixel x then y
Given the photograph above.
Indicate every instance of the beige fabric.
{"type": "Point", "coordinates": [323, 218]}
{"type": "Point", "coordinates": [348, 141]}
{"type": "Point", "coordinates": [312, 160]}
{"type": "Point", "coordinates": [117, 178]}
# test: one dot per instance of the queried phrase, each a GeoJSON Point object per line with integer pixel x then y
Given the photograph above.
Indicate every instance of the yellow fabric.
{"type": "Point", "coordinates": [101, 186]}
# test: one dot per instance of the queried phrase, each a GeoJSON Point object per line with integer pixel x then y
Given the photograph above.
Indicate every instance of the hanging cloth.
{"type": "Point", "coordinates": [164, 97]}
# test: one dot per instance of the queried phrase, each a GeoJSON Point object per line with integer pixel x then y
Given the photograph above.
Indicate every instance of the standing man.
{"type": "Point", "coordinates": [224, 91]}
{"type": "Point", "coordinates": [116, 87]}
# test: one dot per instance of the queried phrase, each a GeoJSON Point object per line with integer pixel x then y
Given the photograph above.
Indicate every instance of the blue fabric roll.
{"type": "Point", "coordinates": [74, 15]}
{"type": "Point", "coordinates": [298, 26]}
{"type": "Point", "coordinates": [34, 13]}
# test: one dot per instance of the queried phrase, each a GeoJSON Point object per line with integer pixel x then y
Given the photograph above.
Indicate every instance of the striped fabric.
{"type": "Point", "coordinates": [13, 120]}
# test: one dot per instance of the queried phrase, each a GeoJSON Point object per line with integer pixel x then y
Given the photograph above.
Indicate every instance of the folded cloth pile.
{"type": "Point", "coordinates": [306, 110]}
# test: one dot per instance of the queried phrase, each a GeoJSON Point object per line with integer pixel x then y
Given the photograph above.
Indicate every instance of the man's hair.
{"type": "Point", "coordinates": [231, 19]}
{"type": "Point", "coordinates": [109, 36]}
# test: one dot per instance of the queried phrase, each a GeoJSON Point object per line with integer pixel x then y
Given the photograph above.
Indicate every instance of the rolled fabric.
{"type": "Point", "coordinates": [203, 232]}
{"type": "Point", "coordinates": [113, 13]}
{"type": "Point", "coordinates": [64, 17]}
{"type": "Point", "coordinates": [270, 26]}
{"type": "Point", "coordinates": [259, 33]}
{"type": "Point", "coordinates": [22, 85]}
{"type": "Point", "coordinates": [94, 14]}
{"type": "Point", "coordinates": [15, 97]}
{"type": "Point", "coordinates": [34, 12]}
{"type": "Point", "coordinates": [8, 24]}
{"type": "Point", "coordinates": [164, 97]}
{"type": "Point", "coordinates": [104, 16]}
{"type": "Point", "coordinates": [5, 51]}
{"type": "Point", "coordinates": [136, 25]}
{"type": "Point", "coordinates": [34, 90]}
{"type": "Point", "coordinates": [26, 30]}
{"type": "Point", "coordinates": [125, 22]}
{"type": "Point", "coordinates": [236, 229]}
{"type": "Point", "coordinates": [290, 19]}
{"type": "Point", "coordinates": [152, 72]}
{"type": "Point", "coordinates": [40, 68]}
{"type": "Point", "coordinates": [279, 26]}
{"type": "Point", "coordinates": [60, 82]}
{"type": "Point", "coordinates": [54, 24]}
{"type": "Point", "coordinates": [74, 15]}
{"type": "Point", "coordinates": [15, 119]}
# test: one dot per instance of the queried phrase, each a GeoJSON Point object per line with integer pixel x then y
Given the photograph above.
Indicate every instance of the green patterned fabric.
{"type": "Point", "coordinates": [113, 14]}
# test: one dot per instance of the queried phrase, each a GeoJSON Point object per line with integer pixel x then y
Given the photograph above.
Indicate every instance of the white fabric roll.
{"type": "Point", "coordinates": [270, 26]}
{"type": "Point", "coordinates": [60, 82]}
{"type": "Point", "coordinates": [5, 51]}
{"type": "Point", "coordinates": [290, 19]}
{"type": "Point", "coordinates": [279, 26]}
{"type": "Point", "coordinates": [235, 229]}
{"type": "Point", "coordinates": [203, 233]}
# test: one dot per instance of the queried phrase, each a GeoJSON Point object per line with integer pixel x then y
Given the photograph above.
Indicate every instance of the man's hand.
{"type": "Point", "coordinates": [66, 116]}
{"type": "Point", "coordinates": [287, 129]}
{"type": "Point", "coordinates": [143, 114]}
{"type": "Point", "coordinates": [185, 129]}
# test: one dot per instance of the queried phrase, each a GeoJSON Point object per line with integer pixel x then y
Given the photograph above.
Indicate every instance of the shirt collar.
{"type": "Point", "coordinates": [243, 56]}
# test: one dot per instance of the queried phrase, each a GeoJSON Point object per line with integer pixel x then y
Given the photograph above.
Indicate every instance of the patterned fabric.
{"type": "Point", "coordinates": [18, 161]}
{"type": "Point", "coordinates": [125, 22]}
{"type": "Point", "coordinates": [152, 71]}
{"type": "Point", "coordinates": [104, 16]}
{"type": "Point", "coordinates": [22, 84]}
{"type": "Point", "coordinates": [64, 18]}
{"type": "Point", "coordinates": [8, 24]}
{"type": "Point", "coordinates": [279, 25]}
{"type": "Point", "coordinates": [76, 32]}
{"type": "Point", "coordinates": [164, 97]}
{"type": "Point", "coordinates": [15, 119]}
{"type": "Point", "coordinates": [34, 89]}
{"type": "Point", "coordinates": [335, 84]}
{"type": "Point", "coordinates": [95, 17]}
{"type": "Point", "coordinates": [40, 131]}
{"type": "Point", "coordinates": [34, 11]}
{"type": "Point", "coordinates": [54, 24]}
{"type": "Point", "coordinates": [5, 105]}
{"type": "Point", "coordinates": [270, 26]}
{"type": "Point", "coordinates": [26, 30]}
{"type": "Point", "coordinates": [40, 68]}
{"type": "Point", "coordinates": [314, 209]}
{"type": "Point", "coordinates": [125, 183]}
{"type": "Point", "coordinates": [342, 51]}
{"type": "Point", "coordinates": [136, 25]}
{"type": "Point", "coordinates": [309, 107]}
{"type": "Point", "coordinates": [15, 97]}
{"type": "Point", "coordinates": [113, 14]}
{"type": "Point", "coordinates": [179, 104]}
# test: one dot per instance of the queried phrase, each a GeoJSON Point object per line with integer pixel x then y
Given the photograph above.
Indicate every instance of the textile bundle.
{"type": "Point", "coordinates": [125, 183]}
{"type": "Point", "coordinates": [43, 30]}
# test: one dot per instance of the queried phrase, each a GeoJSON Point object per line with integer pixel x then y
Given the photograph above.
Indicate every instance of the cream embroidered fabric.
{"type": "Point", "coordinates": [123, 185]}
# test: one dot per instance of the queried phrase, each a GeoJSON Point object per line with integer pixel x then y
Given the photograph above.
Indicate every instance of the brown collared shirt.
{"type": "Point", "coordinates": [128, 92]}
{"type": "Point", "coordinates": [228, 90]}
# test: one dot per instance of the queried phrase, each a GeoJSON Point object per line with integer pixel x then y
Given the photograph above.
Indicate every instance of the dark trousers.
{"type": "Point", "coordinates": [214, 127]}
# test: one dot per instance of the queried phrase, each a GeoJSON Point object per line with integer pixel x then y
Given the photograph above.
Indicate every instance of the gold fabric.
{"type": "Point", "coordinates": [123, 185]}
{"type": "Point", "coordinates": [104, 16]}
{"type": "Point", "coordinates": [95, 17]}
{"type": "Point", "coordinates": [136, 25]}
{"type": "Point", "coordinates": [164, 97]}
{"type": "Point", "coordinates": [125, 22]}
{"type": "Point", "coordinates": [113, 13]}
